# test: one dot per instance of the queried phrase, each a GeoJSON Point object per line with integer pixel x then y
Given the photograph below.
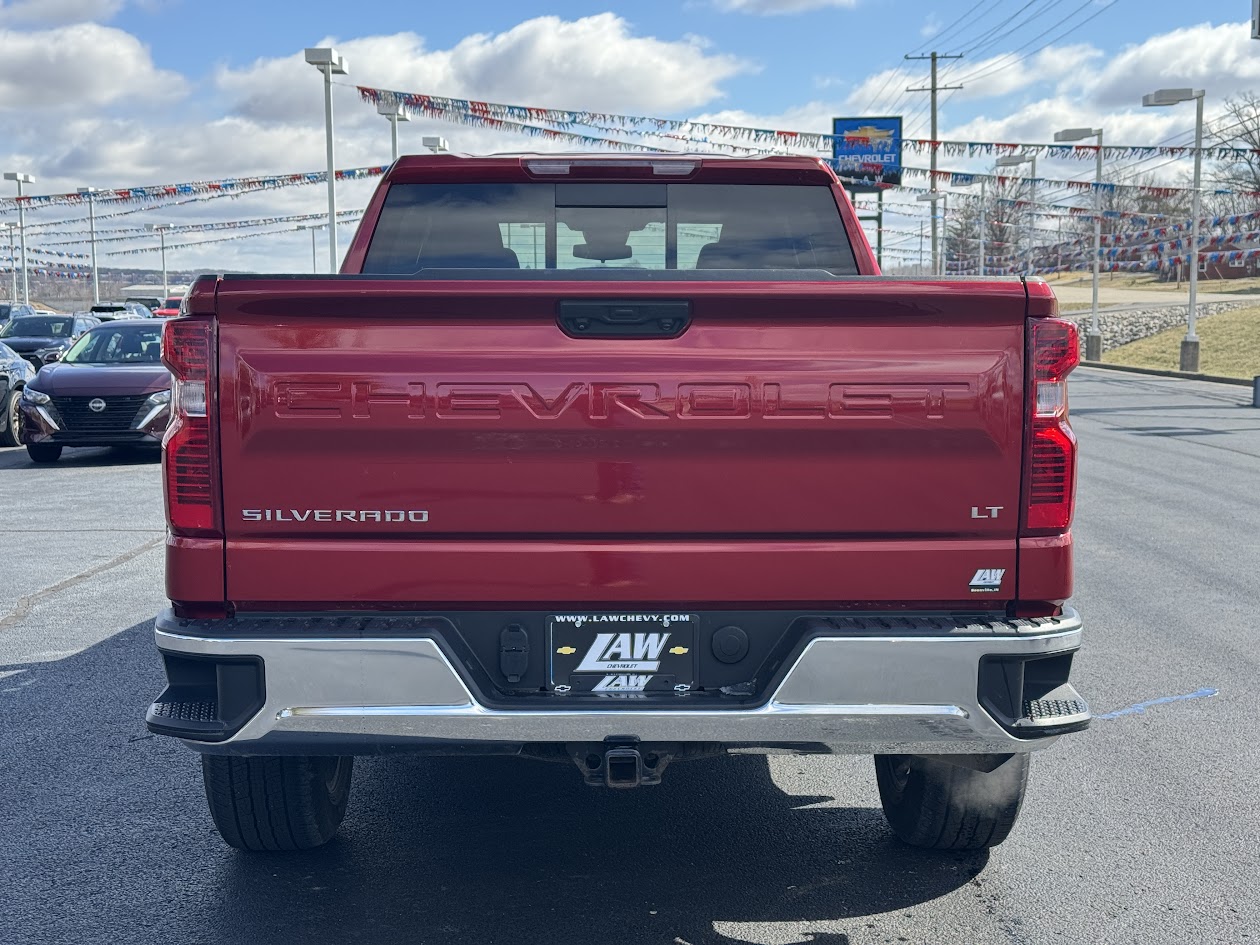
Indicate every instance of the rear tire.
{"type": "Point", "coordinates": [944, 806]}
{"type": "Point", "coordinates": [277, 803]}
{"type": "Point", "coordinates": [9, 418]}
{"type": "Point", "coordinates": [43, 453]}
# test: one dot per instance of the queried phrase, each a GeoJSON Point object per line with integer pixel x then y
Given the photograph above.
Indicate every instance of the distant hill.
{"type": "Point", "coordinates": [73, 294]}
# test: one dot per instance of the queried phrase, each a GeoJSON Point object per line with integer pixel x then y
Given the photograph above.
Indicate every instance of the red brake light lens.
{"type": "Point", "coordinates": [1056, 348]}
{"type": "Point", "coordinates": [1050, 452]}
{"type": "Point", "coordinates": [189, 462]}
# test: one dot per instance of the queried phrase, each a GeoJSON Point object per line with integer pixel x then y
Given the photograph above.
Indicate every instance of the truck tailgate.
{"type": "Point", "coordinates": [412, 441]}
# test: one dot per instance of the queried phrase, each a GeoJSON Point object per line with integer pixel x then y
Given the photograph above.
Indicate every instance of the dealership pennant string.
{"type": "Point", "coordinates": [345, 216]}
{"type": "Point", "coordinates": [569, 119]}
{"type": "Point", "coordinates": [45, 270]}
{"type": "Point", "coordinates": [219, 239]}
{"type": "Point", "coordinates": [158, 192]}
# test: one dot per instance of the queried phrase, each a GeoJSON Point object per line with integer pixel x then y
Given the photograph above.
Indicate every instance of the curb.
{"type": "Point", "coordinates": [1213, 378]}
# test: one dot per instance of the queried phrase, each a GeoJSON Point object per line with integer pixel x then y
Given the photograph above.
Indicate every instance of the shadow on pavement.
{"type": "Point", "coordinates": [108, 840]}
{"type": "Point", "coordinates": [84, 456]}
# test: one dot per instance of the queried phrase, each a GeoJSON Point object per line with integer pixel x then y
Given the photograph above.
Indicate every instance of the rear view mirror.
{"type": "Point", "coordinates": [602, 252]}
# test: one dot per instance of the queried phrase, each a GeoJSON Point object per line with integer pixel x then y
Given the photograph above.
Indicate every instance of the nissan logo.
{"type": "Point", "coordinates": [96, 405]}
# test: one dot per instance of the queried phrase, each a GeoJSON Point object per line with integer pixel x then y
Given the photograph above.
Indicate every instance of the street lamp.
{"type": "Point", "coordinates": [1014, 160]}
{"type": "Point", "coordinates": [938, 264]}
{"type": "Point", "coordinates": [96, 282]}
{"type": "Point", "coordinates": [983, 178]}
{"type": "Point", "coordinates": [20, 179]}
{"type": "Point", "coordinates": [435, 143]}
{"type": "Point", "coordinates": [1189, 344]}
{"type": "Point", "coordinates": [330, 63]}
{"type": "Point", "coordinates": [313, 227]}
{"type": "Point", "coordinates": [1093, 340]}
{"type": "Point", "coordinates": [395, 113]}
{"type": "Point", "coordinates": [160, 229]}
{"type": "Point", "coordinates": [13, 257]}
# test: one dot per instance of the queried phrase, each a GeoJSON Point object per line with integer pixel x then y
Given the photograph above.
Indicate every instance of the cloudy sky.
{"type": "Point", "coordinates": [114, 93]}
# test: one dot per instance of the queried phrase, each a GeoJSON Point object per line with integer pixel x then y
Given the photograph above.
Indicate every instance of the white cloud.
{"type": "Point", "coordinates": [594, 62]}
{"type": "Point", "coordinates": [1221, 59]}
{"type": "Point", "coordinates": [1004, 74]}
{"type": "Point", "coordinates": [83, 65]}
{"type": "Point", "coordinates": [49, 12]}
{"type": "Point", "coordinates": [268, 116]}
{"type": "Point", "coordinates": [779, 7]}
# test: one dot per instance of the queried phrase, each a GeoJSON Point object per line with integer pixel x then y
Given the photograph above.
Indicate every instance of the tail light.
{"type": "Point", "coordinates": [1050, 454]}
{"type": "Point", "coordinates": [190, 465]}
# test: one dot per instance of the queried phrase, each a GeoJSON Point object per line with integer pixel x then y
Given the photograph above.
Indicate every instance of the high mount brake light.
{"type": "Point", "coordinates": [1050, 453]}
{"type": "Point", "coordinates": [189, 463]}
{"type": "Point", "coordinates": [670, 167]}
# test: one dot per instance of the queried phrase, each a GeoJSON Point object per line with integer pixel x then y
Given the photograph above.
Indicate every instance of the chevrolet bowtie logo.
{"type": "Point", "coordinates": [566, 651]}
{"type": "Point", "coordinates": [678, 650]}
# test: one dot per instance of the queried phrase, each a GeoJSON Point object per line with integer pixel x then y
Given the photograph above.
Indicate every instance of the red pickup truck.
{"type": "Point", "coordinates": [617, 461]}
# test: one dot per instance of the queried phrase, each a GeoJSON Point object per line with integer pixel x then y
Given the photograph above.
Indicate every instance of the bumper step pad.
{"type": "Point", "coordinates": [1061, 708]}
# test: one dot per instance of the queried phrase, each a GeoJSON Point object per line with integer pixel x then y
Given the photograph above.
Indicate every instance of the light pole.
{"type": "Point", "coordinates": [1093, 340]}
{"type": "Point", "coordinates": [13, 257]}
{"type": "Point", "coordinates": [982, 222]}
{"type": "Point", "coordinates": [395, 113]}
{"type": "Point", "coordinates": [96, 282]}
{"type": "Point", "coordinates": [160, 229]}
{"type": "Point", "coordinates": [938, 264]}
{"type": "Point", "coordinates": [1014, 160]}
{"type": "Point", "coordinates": [330, 63]}
{"type": "Point", "coordinates": [313, 227]}
{"type": "Point", "coordinates": [1189, 344]}
{"type": "Point", "coordinates": [19, 178]}
{"type": "Point", "coordinates": [435, 143]}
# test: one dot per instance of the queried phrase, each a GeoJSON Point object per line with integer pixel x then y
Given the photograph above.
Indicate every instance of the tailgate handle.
{"type": "Point", "coordinates": [609, 318]}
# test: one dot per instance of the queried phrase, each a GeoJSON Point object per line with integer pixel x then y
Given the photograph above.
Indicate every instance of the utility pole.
{"type": "Point", "coordinates": [88, 193]}
{"type": "Point", "coordinates": [13, 257]}
{"type": "Point", "coordinates": [160, 229]}
{"type": "Point", "coordinates": [934, 88]}
{"type": "Point", "coordinates": [879, 228]}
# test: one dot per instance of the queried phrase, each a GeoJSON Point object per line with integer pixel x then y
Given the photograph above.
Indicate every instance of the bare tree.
{"type": "Point", "coordinates": [1004, 219]}
{"type": "Point", "coordinates": [1239, 127]}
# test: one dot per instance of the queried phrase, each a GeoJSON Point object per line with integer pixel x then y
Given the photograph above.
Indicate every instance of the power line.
{"type": "Point", "coordinates": [1016, 28]}
{"type": "Point", "coordinates": [992, 29]}
{"type": "Point", "coordinates": [934, 88]}
{"type": "Point", "coordinates": [940, 35]}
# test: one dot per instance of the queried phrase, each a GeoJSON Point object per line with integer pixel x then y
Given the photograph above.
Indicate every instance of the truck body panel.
{"type": "Point", "coordinates": [873, 414]}
{"type": "Point", "coordinates": [619, 460]}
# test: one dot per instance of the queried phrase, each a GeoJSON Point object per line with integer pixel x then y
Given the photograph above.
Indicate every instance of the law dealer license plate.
{"type": "Point", "coordinates": [622, 653]}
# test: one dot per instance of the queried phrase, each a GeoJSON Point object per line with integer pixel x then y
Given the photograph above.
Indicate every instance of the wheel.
{"type": "Point", "coordinates": [43, 452]}
{"type": "Point", "coordinates": [277, 803]}
{"type": "Point", "coordinates": [9, 420]}
{"type": "Point", "coordinates": [946, 806]}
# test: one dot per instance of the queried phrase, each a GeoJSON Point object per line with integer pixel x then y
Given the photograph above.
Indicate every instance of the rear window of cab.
{"type": "Point", "coordinates": [602, 226]}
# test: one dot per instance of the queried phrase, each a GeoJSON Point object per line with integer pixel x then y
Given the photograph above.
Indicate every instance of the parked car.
{"type": "Point", "coordinates": [109, 389]}
{"type": "Point", "coordinates": [45, 338]}
{"type": "Point", "coordinates": [170, 308]}
{"type": "Point", "coordinates": [11, 310]}
{"type": "Point", "coordinates": [151, 302]}
{"type": "Point", "coordinates": [108, 311]}
{"type": "Point", "coordinates": [15, 373]}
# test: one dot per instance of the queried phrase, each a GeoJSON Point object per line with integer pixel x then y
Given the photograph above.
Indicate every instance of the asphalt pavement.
{"type": "Point", "coordinates": [1145, 829]}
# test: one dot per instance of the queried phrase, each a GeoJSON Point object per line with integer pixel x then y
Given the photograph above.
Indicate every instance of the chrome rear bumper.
{"type": "Point", "coordinates": [852, 694]}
